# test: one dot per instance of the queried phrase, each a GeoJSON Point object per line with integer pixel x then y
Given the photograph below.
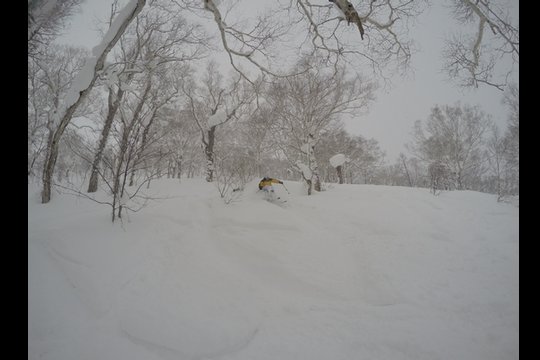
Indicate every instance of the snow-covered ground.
{"type": "Point", "coordinates": [354, 272]}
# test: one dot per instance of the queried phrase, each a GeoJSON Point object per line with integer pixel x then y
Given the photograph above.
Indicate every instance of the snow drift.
{"type": "Point", "coordinates": [354, 272]}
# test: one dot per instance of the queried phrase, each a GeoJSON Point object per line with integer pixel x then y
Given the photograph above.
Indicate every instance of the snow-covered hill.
{"type": "Point", "coordinates": [354, 272]}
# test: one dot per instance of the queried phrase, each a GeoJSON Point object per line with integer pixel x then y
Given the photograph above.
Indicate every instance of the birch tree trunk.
{"type": "Point", "coordinates": [113, 108]}
{"type": "Point", "coordinates": [209, 152]}
{"type": "Point", "coordinates": [81, 87]}
{"type": "Point", "coordinates": [123, 162]}
{"type": "Point", "coordinates": [139, 155]}
{"type": "Point", "coordinates": [316, 176]}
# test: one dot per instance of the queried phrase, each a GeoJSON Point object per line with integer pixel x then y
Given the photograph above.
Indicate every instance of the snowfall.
{"type": "Point", "coordinates": [352, 272]}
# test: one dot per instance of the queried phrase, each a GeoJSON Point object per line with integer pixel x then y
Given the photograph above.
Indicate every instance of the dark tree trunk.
{"type": "Point", "coordinates": [317, 184]}
{"type": "Point", "coordinates": [340, 174]}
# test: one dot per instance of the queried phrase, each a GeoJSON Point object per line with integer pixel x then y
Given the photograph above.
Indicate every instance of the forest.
{"type": "Point", "coordinates": [150, 101]}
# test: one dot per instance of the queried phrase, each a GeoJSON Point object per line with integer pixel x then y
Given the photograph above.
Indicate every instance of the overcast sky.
{"type": "Point", "coordinates": [391, 117]}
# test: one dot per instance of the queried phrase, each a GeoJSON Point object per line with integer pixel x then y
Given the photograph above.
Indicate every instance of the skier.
{"type": "Point", "coordinates": [266, 185]}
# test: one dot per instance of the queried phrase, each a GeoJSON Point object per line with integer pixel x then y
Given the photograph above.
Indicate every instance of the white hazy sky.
{"type": "Point", "coordinates": [354, 272]}
{"type": "Point", "coordinates": [391, 117]}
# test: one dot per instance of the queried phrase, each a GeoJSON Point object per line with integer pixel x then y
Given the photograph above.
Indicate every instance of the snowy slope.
{"type": "Point", "coordinates": [354, 272]}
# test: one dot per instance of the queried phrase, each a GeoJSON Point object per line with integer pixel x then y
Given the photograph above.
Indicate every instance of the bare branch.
{"type": "Point", "coordinates": [472, 61]}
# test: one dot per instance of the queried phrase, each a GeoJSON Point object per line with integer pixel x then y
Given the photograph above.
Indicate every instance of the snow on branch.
{"type": "Point", "coordinates": [218, 118]}
{"type": "Point", "coordinates": [84, 80]}
{"type": "Point", "coordinates": [471, 60]}
{"type": "Point", "coordinates": [304, 169]}
{"type": "Point", "coordinates": [338, 160]}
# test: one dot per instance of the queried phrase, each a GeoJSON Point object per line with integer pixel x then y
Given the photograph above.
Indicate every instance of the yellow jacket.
{"type": "Point", "coordinates": [268, 182]}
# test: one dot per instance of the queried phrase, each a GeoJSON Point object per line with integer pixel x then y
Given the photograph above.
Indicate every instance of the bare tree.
{"type": "Point", "coordinates": [504, 149]}
{"type": "Point", "coordinates": [182, 143]}
{"type": "Point", "coordinates": [335, 141]}
{"type": "Point", "coordinates": [440, 177]}
{"type": "Point", "coordinates": [212, 105]}
{"type": "Point", "coordinates": [403, 163]}
{"type": "Point", "coordinates": [305, 106]}
{"type": "Point", "coordinates": [158, 38]}
{"type": "Point", "coordinates": [471, 60]}
{"type": "Point", "coordinates": [129, 133]}
{"type": "Point", "coordinates": [366, 160]}
{"type": "Point", "coordinates": [497, 151]}
{"type": "Point", "coordinates": [233, 171]}
{"type": "Point", "coordinates": [46, 21]}
{"type": "Point", "coordinates": [81, 87]}
{"type": "Point", "coordinates": [412, 170]}
{"type": "Point", "coordinates": [256, 137]}
{"type": "Point", "coordinates": [49, 78]}
{"type": "Point", "coordinates": [318, 30]}
{"type": "Point", "coordinates": [455, 138]}
{"type": "Point", "coordinates": [512, 135]}
{"type": "Point", "coordinates": [165, 90]}
{"type": "Point", "coordinates": [111, 75]}
{"type": "Point", "coordinates": [38, 105]}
